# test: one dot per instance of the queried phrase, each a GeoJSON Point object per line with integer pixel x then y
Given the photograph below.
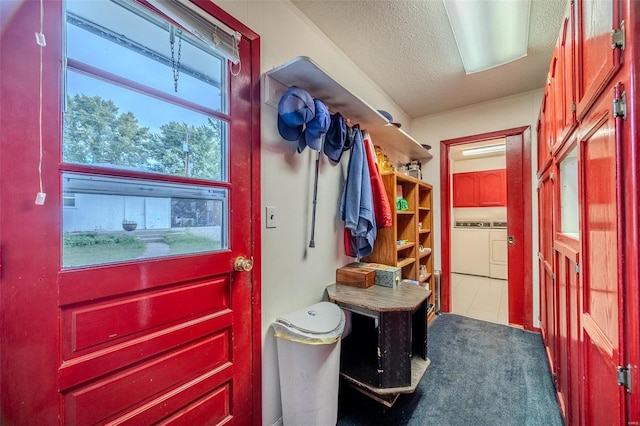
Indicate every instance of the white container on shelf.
{"type": "Point", "coordinates": [308, 344]}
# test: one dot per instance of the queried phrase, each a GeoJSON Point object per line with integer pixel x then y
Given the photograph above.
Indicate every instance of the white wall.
{"type": "Point", "coordinates": [505, 113]}
{"type": "Point", "coordinates": [294, 275]}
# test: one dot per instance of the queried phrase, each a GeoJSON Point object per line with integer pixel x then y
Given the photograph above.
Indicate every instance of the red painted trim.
{"type": "Point", "coordinates": [445, 230]}
{"type": "Point", "coordinates": [632, 214]}
{"type": "Point", "coordinates": [108, 171]}
{"type": "Point", "coordinates": [256, 231]}
{"type": "Point", "coordinates": [527, 229]}
{"type": "Point", "coordinates": [30, 352]}
{"type": "Point", "coordinates": [621, 234]}
{"type": "Point", "coordinates": [445, 220]}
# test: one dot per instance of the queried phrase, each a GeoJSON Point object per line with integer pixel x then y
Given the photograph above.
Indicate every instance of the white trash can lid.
{"type": "Point", "coordinates": [321, 318]}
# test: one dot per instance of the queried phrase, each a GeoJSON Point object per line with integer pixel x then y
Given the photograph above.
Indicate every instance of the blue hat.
{"type": "Point", "coordinates": [336, 135]}
{"type": "Point", "coordinates": [316, 128]}
{"type": "Point", "coordinates": [389, 118]}
{"type": "Point", "coordinates": [294, 110]}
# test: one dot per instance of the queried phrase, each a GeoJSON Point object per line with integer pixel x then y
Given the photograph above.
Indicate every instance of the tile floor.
{"type": "Point", "coordinates": [480, 298]}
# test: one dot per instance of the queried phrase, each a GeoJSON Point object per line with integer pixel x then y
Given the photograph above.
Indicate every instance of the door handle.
{"type": "Point", "coordinates": [511, 239]}
{"type": "Point", "coordinates": [242, 264]}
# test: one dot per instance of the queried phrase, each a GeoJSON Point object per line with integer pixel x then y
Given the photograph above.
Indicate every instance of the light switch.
{"type": "Point", "coordinates": [271, 217]}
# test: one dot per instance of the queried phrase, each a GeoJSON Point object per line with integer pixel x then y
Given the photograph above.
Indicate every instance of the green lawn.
{"type": "Point", "coordinates": [98, 254]}
{"type": "Point", "coordinates": [93, 249]}
{"type": "Point", "coordinates": [189, 243]}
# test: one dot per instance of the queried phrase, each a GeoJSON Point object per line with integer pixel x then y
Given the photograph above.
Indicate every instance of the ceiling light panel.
{"type": "Point", "coordinates": [484, 150]}
{"type": "Point", "coordinates": [489, 33]}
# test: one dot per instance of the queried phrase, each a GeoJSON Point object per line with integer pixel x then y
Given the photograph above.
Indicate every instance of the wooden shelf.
{"type": "Point", "coordinates": [423, 255]}
{"type": "Point", "coordinates": [418, 368]}
{"type": "Point", "coordinates": [405, 246]}
{"type": "Point", "coordinates": [405, 212]}
{"type": "Point", "coordinates": [306, 74]}
{"type": "Point", "coordinates": [406, 261]}
{"type": "Point", "coordinates": [424, 231]}
{"type": "Point", "coordinates": [425, 278]}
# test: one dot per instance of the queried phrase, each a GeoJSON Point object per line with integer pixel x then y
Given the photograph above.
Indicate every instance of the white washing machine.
{"type": "Point", "coordinates": [470, 248]}
{"type": "Point", "coordinates": [498, 251]}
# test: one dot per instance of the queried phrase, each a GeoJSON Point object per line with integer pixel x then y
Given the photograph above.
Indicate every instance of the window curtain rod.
{"type": "Point", "coordinates": [205, 28]}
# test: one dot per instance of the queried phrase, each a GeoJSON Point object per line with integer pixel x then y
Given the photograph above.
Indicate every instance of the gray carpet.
{"type": "Point", "coordinates": [480, 374]}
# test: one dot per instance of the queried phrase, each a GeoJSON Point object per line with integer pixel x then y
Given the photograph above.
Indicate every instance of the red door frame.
{"type": "Point", "coordinates": [521, 306]}
{"type": "Point", "coordinates": [29, 356]}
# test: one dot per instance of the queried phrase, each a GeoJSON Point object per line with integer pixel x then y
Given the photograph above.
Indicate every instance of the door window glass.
{"type": "Point", "coordinates": [145, 138]}
{"type": "Point", "coordinates": [569, 211]}
{"type": "Point", "coordinates": [118, 219]}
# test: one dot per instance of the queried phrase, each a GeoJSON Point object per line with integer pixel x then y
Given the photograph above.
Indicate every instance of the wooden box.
{"type": "Point", "coordinates": [357, 277]}
{"type": "Point", "coordinates": [386, 275]}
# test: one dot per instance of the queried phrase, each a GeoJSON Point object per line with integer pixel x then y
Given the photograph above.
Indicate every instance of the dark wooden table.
{"type": "Point", "coordinates": [385, 353]}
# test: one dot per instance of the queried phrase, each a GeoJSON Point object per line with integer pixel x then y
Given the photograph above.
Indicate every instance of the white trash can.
{"type": "Point", "coordinates": [308, 343]}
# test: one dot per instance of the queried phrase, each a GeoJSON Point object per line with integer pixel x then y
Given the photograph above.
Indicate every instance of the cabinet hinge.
{"type": "Point", "coordinates": [576, 267]}
{"type": "Point", "coordinates": [617, 37]}
{"type": "Point", "coordinates": [620, 107]}
{"type": "Point", "coordinates": [624, 377]}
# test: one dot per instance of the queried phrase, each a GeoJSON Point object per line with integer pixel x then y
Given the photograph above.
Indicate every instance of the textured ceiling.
{"type": "Point", "coordinates": [408, 49]}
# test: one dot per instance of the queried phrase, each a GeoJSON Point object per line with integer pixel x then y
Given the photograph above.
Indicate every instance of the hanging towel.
{"type": "Point", "coordinates": [356, 208]}
{"type": "Point", "coordinates": [381, 206]}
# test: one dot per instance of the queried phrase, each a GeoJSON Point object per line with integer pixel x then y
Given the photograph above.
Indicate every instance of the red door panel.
{"type": "Point", "coordinates": [596, 62]}
{"type": "Point", "coordinates": [544, 134]}
{"type": "Point", "coordinates": [601, 313]}
{"type": "Point", "coordinates": [569, 382]}
{"type": "Point", "coordinates": [567, 74]}
{"type": "Point", "coordinates": [548, 294]}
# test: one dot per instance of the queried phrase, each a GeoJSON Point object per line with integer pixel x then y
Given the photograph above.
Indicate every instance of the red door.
{"type": "Point", "coordinates": [153, 331]}
{"type": "Point", "coordinates": [518, 153]}
{"type": "Point", "coordinates": [518, 229]}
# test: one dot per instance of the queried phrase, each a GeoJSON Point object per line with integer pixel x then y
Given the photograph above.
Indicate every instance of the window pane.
{"type": "Point", "coordinates": [119, 219]}
{"type": "Point", "coordinates": [136, 45]}
{"type": "Point", "coordinates": [569, 212]}
{"type": "Point", "coordinates": [114, 114]}
{"type": "Point", "coordinates": [111, 126]}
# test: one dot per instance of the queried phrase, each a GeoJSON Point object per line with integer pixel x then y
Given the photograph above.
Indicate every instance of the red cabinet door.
{"type": "Point", "coordinates": [487, 188]}
{"type": "Point", "coordinates": [545, 138]}
{"type": "Point", "coordinates": [596, 61]}
{"type": "Point", "coordinates": [602, 312]}
{"type": "Point", "coordinates": [465, 189]}
{"type": "Point", "coordinates": [565, 110]}
{"type": "Point", "coordinates": [492, 188]}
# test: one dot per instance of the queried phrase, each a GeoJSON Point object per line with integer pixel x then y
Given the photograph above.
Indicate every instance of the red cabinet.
{"type": "Point", "coordinates": [487, 188]}
{"type": "Point", "coordinates": [465, 189]}
{"type": "Point", "coordinates": [588, 307]}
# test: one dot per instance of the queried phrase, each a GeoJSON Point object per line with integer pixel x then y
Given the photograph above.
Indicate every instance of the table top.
{"type": "Point", "coordinates": [405, 297]}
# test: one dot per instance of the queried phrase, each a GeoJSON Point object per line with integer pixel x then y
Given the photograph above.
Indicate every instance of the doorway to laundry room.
{"type": "Point", "coordinates": [486, 227]}
{"type": "Point", "coordinates": [478, 213]}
